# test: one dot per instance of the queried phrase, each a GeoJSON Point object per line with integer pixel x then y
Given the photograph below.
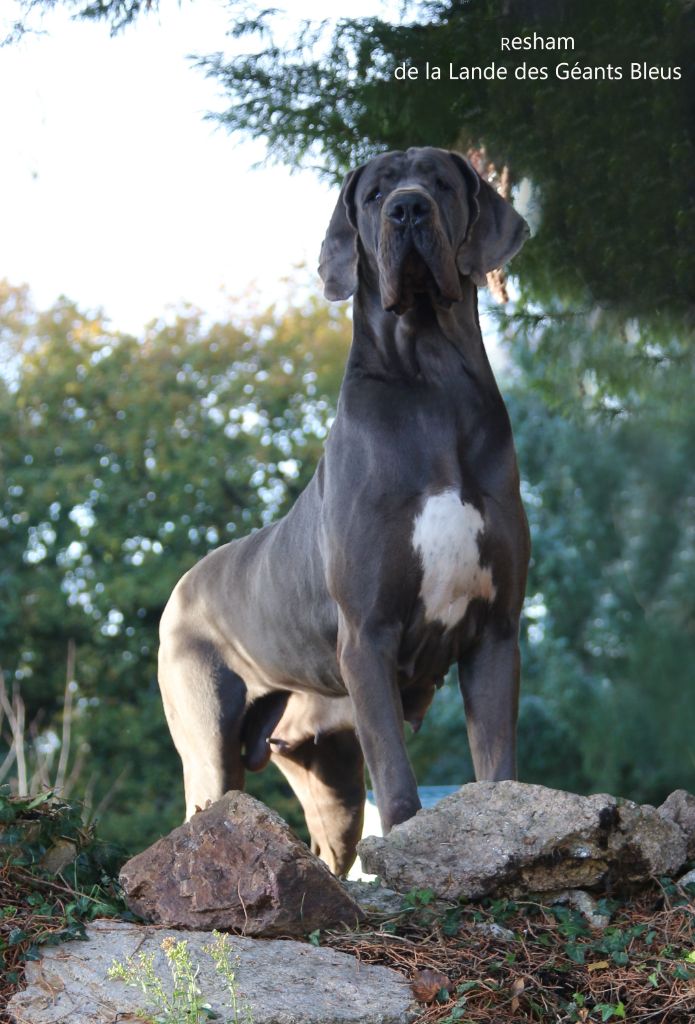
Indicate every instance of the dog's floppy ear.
{"type": "Point", "coordinates": [338, 259]}
{"type": "Point", "coordinates": [495, 232]}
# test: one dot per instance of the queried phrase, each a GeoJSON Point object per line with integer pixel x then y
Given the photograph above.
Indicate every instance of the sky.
{"type": "Point", "coordinates": [117, 193]}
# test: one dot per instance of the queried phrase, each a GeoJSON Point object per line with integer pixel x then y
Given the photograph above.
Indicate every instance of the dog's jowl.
{"type": "Point", "coordinates": [311, 642]}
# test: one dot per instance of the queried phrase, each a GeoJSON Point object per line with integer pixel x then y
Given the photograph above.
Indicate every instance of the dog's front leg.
{"type": "Point", "coordinates": [368, 665]}
{"type": "Point", "coordinates": [489, 681]}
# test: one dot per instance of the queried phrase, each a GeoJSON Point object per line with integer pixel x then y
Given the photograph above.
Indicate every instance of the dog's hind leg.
{"type": "Point", "coordinates": [204, 702]}
{"type": "Point", "coordinates": [327, 775]}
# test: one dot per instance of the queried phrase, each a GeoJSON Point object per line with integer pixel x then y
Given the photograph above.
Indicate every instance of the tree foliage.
{"type": "Point", "coordinates": [126, 461]}
{"type": "Point", "coordinates": [607, 163]}
{"type": "Point", "coordinates": [610, 160]}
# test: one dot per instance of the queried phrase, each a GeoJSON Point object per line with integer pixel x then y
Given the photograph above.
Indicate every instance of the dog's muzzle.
{"type": "Point", "coordinates": [408, 208]}
{"type": "Point", "coordinates": [415, 255]}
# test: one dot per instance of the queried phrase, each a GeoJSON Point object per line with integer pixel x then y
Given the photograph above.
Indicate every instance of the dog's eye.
{"type": "Point", "coordinates": [442, 185]}
{"type": "Point", "coordinates": [374, 196]}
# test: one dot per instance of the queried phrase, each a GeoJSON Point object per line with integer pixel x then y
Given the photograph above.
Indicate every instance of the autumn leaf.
{"type": "Point", "coordinates": [427, 984]}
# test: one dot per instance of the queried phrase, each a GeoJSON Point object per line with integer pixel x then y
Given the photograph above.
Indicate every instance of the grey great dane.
{"type": "Point", "coordinates": [312, 641]}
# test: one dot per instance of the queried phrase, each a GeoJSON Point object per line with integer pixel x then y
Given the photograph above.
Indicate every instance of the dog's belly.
{"type": "Point", "coordinates": [312, 669]}
{"type": "Point", "coordinates": [446, 538]}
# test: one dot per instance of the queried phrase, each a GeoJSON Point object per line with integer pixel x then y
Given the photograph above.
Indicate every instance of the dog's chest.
{"type": "Point", "coordinates": [446, 537]}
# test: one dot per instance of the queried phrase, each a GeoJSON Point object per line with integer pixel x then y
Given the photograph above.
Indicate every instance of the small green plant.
{"type": "Point", "coordinates": [417, 898]}
{"type": "Point", "coordinates": [458, 1012]}
{"type": "Point", "coordinates": [455, 1016]}
{"type": "Point", "coordinates": [604, 1012]}
{"type": "Point", "coordinates": [420, 906]}
{"type": "Point", "coordinates": [224, 965]}
{"type": "Point", "coordinates": [185, 1004]}
{"type": "Point", "coordinates": [609, 1011]}
{"type": "Point", "coordinates": [57, 876]}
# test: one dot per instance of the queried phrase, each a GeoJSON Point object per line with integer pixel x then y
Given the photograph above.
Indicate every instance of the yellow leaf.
{"type": "Point", "coordinates": [598, 965]}
{"type": "Point", "coordinates": [518, 986]}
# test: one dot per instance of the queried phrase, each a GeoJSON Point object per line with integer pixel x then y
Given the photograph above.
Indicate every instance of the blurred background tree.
{"type": "Point", "coordinates": [127, 459]}
{"type": "Point", "coordinates": [609, 161]}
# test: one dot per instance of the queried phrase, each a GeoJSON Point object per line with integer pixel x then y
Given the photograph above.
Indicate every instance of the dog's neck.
{"type": "Point", "coordinates": [428, 343]}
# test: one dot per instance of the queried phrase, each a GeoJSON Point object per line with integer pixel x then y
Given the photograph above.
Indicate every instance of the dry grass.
{"type": "Point", "coordinates": [553, 968]}
{"type": "Point", "coordinates": [55, 876]}
{"type": "Point", "coordinates": [500, 961]}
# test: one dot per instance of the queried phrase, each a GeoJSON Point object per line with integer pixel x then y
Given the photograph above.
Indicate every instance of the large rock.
{"type": "Point", "coordinates": [680, 807]}
{"type": "Point", "coordinates": [236, 866]}
{"type": "Point", "coordinates": [512, 838]}
{"type": "Point", "coordinates": [281, 982]}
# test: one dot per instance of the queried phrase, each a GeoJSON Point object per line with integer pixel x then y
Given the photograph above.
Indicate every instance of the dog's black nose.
{"type": "Point", "coordinates": [407, 207]}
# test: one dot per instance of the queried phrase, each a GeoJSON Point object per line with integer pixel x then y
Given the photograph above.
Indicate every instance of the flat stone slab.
{"type": "Point", "coordinates": [281, 981]}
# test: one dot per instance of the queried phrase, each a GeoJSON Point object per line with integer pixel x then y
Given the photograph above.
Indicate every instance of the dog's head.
{"type": "Point", "coordinates": [414, 223]}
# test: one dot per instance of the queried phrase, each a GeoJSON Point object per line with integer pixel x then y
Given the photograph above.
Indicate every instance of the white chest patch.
{"type": "Point", "coordinates": [445, 535]}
